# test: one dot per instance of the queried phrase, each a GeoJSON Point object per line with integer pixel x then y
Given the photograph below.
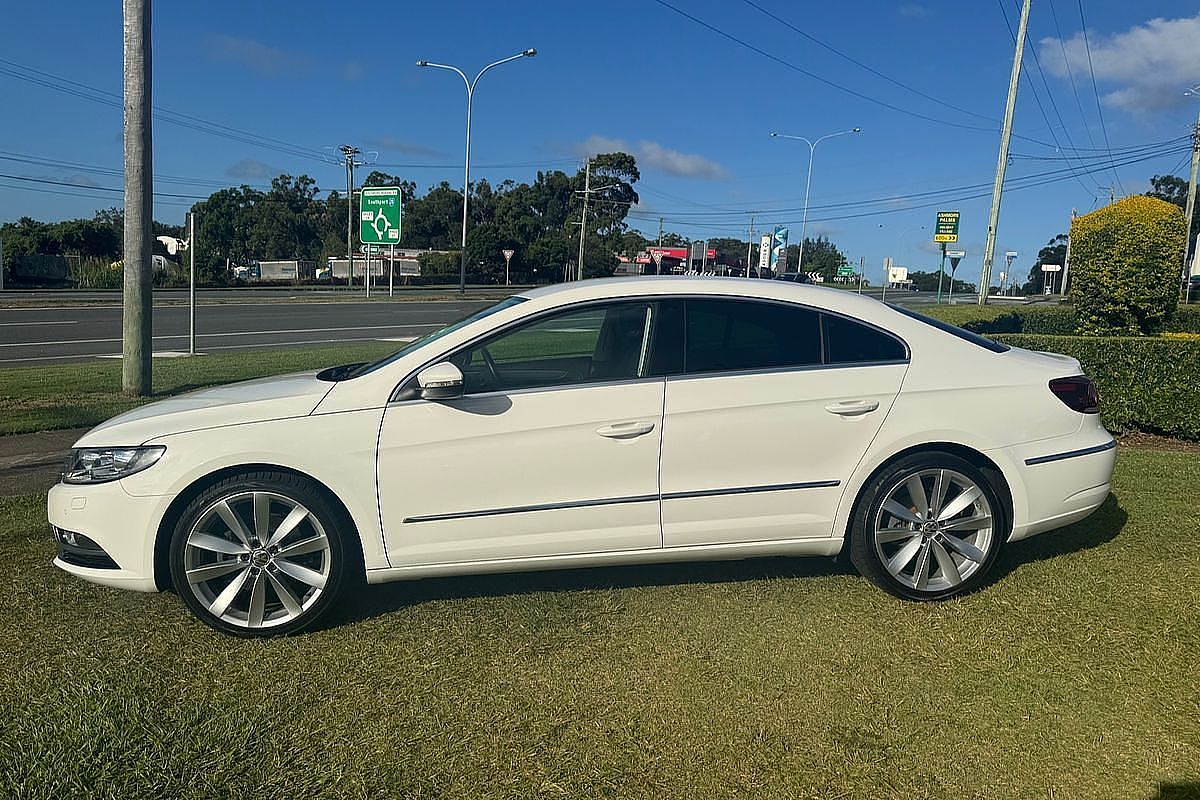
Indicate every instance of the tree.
{"type": "Point", "coordinates": [1055, 252]}
{"type": "Point", "coordinates": [1125, 265]}
{"type": "Point", "coordinates": [1173, 189]}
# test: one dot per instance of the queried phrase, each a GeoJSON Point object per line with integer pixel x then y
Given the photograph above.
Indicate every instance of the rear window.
{"type": "Point", "coordinates": [849, 342]}
{"type": "Point", "coordinates": [953, 330]}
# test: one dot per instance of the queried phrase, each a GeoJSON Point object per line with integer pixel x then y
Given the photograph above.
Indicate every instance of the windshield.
{"type": "Point", "coordinates": [363, 369]}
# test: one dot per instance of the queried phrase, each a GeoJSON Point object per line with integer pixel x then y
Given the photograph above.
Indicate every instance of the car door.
{"type": "Point", "coordinates": [551, 451]}
{"type": "Point", "coordinates": [775, 406]}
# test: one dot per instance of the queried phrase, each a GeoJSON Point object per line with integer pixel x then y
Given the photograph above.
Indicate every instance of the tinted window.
{"type": "Point", "coordinates": [598, 343]}
{"type": "Point", "coordinates": [954, 330]}
{"type": "Point", "coordinates": [739, 334]}
{"type": "Point", "coordinates": [850, 342]}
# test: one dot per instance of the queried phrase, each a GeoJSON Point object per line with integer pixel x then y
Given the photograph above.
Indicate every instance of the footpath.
{"type": "Point", "coordinates": [31, 462]}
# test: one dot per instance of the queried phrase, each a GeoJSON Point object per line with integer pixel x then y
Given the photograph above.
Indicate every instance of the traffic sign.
{"type": "Point", "coordinates": [1051, 267]}
{"type": "Point", "coordinates": [947, 227]}
{"type": "Point", "coordinates": [379, 215]}
{"type": "Point", "coordinates": [508, 254]}
{"type": "Point", "coordinates": [845, 271]}
{"type": "Point", "coordinates": [657, 256]}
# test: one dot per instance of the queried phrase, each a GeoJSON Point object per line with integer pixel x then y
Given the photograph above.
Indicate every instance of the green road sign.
{"type": "Point", "coordinates": [846, 272]}
{"type": "Point", "coordinates": [947, 227]}
{"type": "Point", "coordinates": [379, 215]}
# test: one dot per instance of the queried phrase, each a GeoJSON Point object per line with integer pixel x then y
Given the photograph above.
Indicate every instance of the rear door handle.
{"type": "Point", "coordinates": [852, 408]}
{"type": "Point", "coordinates": [626, 430]}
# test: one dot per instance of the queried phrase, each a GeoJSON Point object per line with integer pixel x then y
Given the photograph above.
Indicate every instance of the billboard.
{"type": "Point", "coordinates": [764, 252]}
{"type": "Point", "coordinates": [779, 249]}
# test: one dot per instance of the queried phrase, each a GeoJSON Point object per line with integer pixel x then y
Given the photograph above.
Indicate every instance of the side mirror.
{"type": "Point", "coordinates": [442, 381]}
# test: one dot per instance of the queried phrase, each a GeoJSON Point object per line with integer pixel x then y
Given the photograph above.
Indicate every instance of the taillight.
{"type": "Point", "coordinates": [1078, 393]}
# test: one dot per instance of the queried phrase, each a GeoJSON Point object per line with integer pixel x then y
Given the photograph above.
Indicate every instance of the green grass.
{"type": "Point", "coordinates": [79, 395]}
{"type": "Point", "coordinates": [1074, 676]}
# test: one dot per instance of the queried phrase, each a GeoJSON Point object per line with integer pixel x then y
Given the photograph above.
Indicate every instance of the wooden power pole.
{"type": "Point", "coordinates": [137, 342]}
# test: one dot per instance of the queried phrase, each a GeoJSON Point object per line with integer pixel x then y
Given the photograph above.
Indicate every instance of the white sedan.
{"type": "Point", "coordinates": [598, 423]}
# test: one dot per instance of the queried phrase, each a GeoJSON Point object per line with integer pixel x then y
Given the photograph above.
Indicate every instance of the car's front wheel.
{"type": "Point", "coordinates": [928, 527]}
{"type": "Point", "coordinates": [262, 554]}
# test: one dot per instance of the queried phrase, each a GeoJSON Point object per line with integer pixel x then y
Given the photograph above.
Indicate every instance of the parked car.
{"type": "Point", "coordinates": [609, 422]}
{"type": "Point", "coordinates": [794, 277]}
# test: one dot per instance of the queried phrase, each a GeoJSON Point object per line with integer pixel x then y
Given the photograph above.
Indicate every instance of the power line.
{"type": "Point", "coordinates": [1095, 90]}
{"type": "Point", "coordinates": [867, 67]}
{"type": "Point", "coordinates": [826, 81]}
{"type": "Point", "coordinates": [1070, 73]}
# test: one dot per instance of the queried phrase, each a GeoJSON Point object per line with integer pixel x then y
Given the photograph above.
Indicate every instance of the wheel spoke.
{"type": "Point", "coordinates": [289, 600]}
{"type": "Point", "coordinates": [233, 522]}
{"type": "Point", "coordinates": [294, 518]}
{"type": "Point", "coordinates": [946, 562]}
{"type": "Point", "coordinates": [889, 535]}
{"type": "Point", "coordinates": [921, 571]}
{"type": "Point", "coordinates": [956, 506]}
{"type": "Point", "coordinates": [939, 493]}
{"type": "Point", "coordinates": [904, 555]}
{"type": "Point", "coordinates": [258, 601]}
{"type": "Point", "coordinates": [221, 604]}
{"type": "Point", "coordinates": [916, 493]}
{"type": "Point", "coordinates": [965, 549]}
{"type": "Point", "coordinates": [969, 523]}
{"type": "Point", "coordinates": [313, 544]}
{"type": "Point", "coordinates": [302, 574]}
{"type": "Point", "coordinates": [207, 573]}
{"type": "Point", "coordinates": [262, 516]}
{"type": "Point", "coordinates": [900, 512]}
{"type": "Point", "coordinates": [216, 544]}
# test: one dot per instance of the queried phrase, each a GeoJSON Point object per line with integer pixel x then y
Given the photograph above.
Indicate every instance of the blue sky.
{"type": "Point", "coordinates": [693, 104]}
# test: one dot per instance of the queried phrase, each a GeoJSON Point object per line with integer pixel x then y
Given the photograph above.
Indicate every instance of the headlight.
{"type": "Point", "coordinates": [102, 464]}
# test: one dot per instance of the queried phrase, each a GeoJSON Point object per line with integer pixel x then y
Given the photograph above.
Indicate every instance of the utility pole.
{"type": "Point", "coordinates": [587, 191]}
{"type": "Point", "coordinates": [862, 268]}
{"type": "Point", "coordinates": [660, 223]}
{"type": "Point", "coordinates": [1190, 210]}
{"type": "Point", "coordinates": [1067, 256]}
{"type": "Point", "coordinates": [750, 246]}
{"type": "Point", "coordinates": [349, 151]}
{"type": "Point", "coordinates": [704, 257]}
{"type": "Point", "coordinates": [137, 333]}
{"type": "Point", "coordinates": [989, 249]}
{"type": "Point", "coordinates": [191, 283]}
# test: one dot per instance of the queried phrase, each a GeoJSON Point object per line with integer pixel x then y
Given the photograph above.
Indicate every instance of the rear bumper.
{"type": "Point", "coordinates": [1064, 481]}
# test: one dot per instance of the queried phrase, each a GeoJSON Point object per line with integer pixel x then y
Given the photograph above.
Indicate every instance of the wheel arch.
{"type": "Point", "coordinates": [987, 466]}
{"type": "Point", "coordinates": [170, 518]}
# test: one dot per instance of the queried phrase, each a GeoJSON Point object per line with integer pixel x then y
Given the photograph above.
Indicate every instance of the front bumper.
{"type": "Point", "coordinates": [121, 526]}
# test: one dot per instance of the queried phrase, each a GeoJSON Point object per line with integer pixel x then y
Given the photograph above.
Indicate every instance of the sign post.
{"type": "Point", "coordinates": [764, 254]}
{"type": "Point", "coordinates": [1049, 269]}
{"type": "Point", "coordinates": [391, 270]}
{"type": "Point", "coordinates": [508, 254]}
{"type": "Point", "coordinates": [955, 257]}
{"type": "Point", "coordinates": [887, 276]}
{"type": "Point", "coordinates": [657, 256]}
{"type": "Point", "coordinates": [1009, 257]}
{"type": "Point", "coordinates": [945, 232]}
{"type": "Point", "coordinates": [378, 220]}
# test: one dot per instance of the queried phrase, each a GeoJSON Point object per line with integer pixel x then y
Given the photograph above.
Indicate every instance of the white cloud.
{"type": "Point", "coordinates": [656, 156]}
{"type": "Point", "coordinates": [259, 57]}
{"type": "Point", "coordinates": [1146, 68]}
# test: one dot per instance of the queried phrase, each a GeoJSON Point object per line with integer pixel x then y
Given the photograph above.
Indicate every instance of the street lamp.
{"type": "Point", "coordinates": [470, 84]}
{"type": "Point", "coordinates": [812, 147]}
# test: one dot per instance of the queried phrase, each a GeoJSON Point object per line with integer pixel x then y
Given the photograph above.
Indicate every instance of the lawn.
{"type": "Point", "coordinates": [84, 394]}
{"type": "Point", "coordinates": [1074, 676]}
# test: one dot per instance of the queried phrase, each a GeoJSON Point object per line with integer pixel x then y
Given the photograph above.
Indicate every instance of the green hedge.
{"type": "Point", "coordinates": [1146, 384]}
{"type": "Point", "coordinates": [1054, 320]}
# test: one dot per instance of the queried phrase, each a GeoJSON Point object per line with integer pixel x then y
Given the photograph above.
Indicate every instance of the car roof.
{"type": "Point", "coordinates": [842, 300]}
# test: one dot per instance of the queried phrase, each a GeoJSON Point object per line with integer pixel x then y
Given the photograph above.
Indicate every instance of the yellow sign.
{"type": "Point", "coordinates": [945, 237]}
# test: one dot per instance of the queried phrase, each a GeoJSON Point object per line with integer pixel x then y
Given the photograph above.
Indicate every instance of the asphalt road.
{"type": "Point", "coordinates": [36, 335]}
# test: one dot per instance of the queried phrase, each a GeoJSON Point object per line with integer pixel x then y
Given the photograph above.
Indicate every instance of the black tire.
{"type": "Point", "coordinates": [871, 555]}
{"type": "Point", "coordinates": [322, 548]}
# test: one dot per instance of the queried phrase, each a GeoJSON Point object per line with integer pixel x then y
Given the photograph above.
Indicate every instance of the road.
{"type": "Point", "coordinates": [35, 335]}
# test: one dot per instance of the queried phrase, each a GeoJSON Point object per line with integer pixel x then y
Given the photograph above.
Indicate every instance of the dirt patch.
{"type": "Point", "coordinates": [1152, 442]}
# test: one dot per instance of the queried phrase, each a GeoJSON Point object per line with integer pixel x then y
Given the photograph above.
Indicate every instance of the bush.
{"type": "Point", "coordinates": [1125, 266]}
{"type": "Point", "coordinates": [1146, 384]}
{"type": "Point", "coordinates": [1186, 319]}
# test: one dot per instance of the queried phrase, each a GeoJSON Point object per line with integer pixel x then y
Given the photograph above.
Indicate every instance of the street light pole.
{"type": "Point", "coordinates": [349, 151]}
{"type": "Point", "coordinates": [812, 151]}
{"type": "Point", "coordinates": [470, 84]}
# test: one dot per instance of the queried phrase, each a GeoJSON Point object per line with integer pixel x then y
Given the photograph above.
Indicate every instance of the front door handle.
{"type": "Point", "coordinates": [626, 430]}
{"type": "Point", "coordinates": [852, 408]}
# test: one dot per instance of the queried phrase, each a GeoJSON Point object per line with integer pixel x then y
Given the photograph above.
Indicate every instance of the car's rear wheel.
{"type": "Point", "coordinates": [262, 554]}
{"type": "Point", "coordinates": [928, 527]}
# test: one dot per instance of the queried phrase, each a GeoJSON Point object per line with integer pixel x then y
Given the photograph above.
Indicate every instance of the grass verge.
{"type": "Point", "coordinates": [84, 394]}
{"type": "Point", "coordinates": [1072, 676]}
